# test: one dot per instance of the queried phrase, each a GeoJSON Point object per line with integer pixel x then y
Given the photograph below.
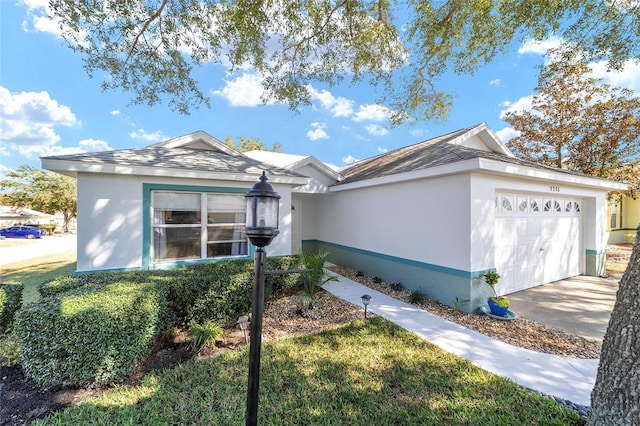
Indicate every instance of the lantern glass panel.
{"type": "Point", "coordinates": [267, 213]}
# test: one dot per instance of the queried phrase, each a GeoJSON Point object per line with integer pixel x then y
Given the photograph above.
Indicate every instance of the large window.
{"type": "Point", "coordinates": [192, 225]}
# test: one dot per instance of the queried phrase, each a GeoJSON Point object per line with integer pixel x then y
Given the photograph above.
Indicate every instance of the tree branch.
{"type": "Point", "coordinates": [146, 24]}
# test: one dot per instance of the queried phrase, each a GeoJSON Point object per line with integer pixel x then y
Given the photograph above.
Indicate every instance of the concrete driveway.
{"type": "Point", "coordinates": [581, 305]}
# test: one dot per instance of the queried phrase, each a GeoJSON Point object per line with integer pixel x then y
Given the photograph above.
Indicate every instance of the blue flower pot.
{"type": "Point", "coordinates": [497, 310]}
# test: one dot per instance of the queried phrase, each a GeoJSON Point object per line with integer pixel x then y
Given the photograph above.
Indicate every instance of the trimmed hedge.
{"type": "Point", "coordinates": [10, 303]}
{"type": "Point", "coordinates": [221, 292]}
{"type": "Point", "coordinates": [94, 327]}
{"type": "Point", "coordinates": [88, 335]}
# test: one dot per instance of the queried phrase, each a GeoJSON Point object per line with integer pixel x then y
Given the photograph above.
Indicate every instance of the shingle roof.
{"type": "Point", "coordinates": [176, 158]}
{"type": "Point", "coordinates": [434, 152]}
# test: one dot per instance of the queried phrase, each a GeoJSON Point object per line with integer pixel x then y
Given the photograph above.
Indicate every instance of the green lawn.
{"type": "Point", "coordinates": [33, 272]}
{"type": "Point", "coordinates": [369, 372]}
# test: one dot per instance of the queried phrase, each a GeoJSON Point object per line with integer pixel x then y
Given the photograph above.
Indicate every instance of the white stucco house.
{"type": "Point", "coordinates": [435, 215]}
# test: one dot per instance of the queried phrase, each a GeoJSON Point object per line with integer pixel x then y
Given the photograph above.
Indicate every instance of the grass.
{"type": "Point", "coordinates": [33, 272]}
{"type": "Point", "coordinates": [367, 372]}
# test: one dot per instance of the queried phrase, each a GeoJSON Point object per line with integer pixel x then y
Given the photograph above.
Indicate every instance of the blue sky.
{"type": "Point", "coordinates": [50, 106]}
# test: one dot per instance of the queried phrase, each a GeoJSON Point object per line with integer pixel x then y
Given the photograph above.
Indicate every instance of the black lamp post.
{"type": "Point", "coordinates": [261, 228]}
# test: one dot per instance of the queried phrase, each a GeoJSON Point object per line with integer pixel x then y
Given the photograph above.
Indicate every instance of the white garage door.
{"type": "Point", "coordinates": [538, 239]}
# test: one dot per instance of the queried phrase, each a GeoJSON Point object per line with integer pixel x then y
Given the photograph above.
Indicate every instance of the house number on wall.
{"type": "Point", "coordinates": [554, 188]}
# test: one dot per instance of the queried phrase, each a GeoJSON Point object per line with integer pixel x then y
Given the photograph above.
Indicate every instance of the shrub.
{"type": "Point", "coordinates": [417, 297]}
{"type": "Point", "coordinates": [93, 327]}
{"type": "Point", "coordinates": [10, 303]}
{"type": "Point", "coordinates": [88, 335]}
{"type": "Point", "coordinates": [221, 291]}
{"type": "Point", "coordinates": [96, 281]}
{"type": "Point", "coordinates": [9, 350]}
{"type": "Point", "coordinates": [284, 282]}
{"type": "Point", "coordinates": [205, 335]}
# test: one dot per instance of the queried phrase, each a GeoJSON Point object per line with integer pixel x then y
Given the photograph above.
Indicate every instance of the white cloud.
{"type": "Point", "coordinates": [495, 82]}
{"type": "Point", "coordinates": [115, 112]}
{"type": "Point", "coordinates": [539, 47]}
{"type": "Point", "coordinates": [506, 134]}
{"type": "Point", "coordinates": [245, 90]}
{"type": "Point", "coordinates": [318, 131]}
{"type": "Point", "coordinates": [3, 170]}
{"type": "Point", "coordinates": [418, 133]}
{"type": "Point", "coordinates": [33, 152]}
{"type": "Point", "coordinates": [628, 77]}
{"type": "Point", "coordinates": [522, 104]}
{"type": "Point", "coordinates": [372, 112]}
{"type": "Point", "coordinates": [40, 19]}
{"type": "Point", "coordinates": [339, 107]}
{"type": "Point", "coordinates": [156, 136]}
{"type": "Point", "coordinates": [30, 118]}
{"type": "Point", "coordinates": [375, 130]}
{"type": "Point", "coordinates": [350, 159]}
{"type": "Point", "coordinates": [94, 145]}
{"type": "Point", "coordinates": [382, 150]}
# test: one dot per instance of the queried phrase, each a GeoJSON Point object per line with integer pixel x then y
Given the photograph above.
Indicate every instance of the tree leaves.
{"type": "Point", "coordinates": [580, 123]}
{"type": "Point", "coordinates": [151, 47]}
{"type": "Point", "coordinates": [43, 191]}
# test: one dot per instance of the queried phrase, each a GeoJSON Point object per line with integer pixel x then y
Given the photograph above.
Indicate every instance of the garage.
{"type": "Point", "coordinates": [538, 239]}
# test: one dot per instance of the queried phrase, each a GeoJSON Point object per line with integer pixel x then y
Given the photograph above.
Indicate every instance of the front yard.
{"type": "Point", "coordinates": [329, 367]}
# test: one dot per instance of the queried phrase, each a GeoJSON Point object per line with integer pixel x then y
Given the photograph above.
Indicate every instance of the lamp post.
{"type": "Point", "coordinates": [365, 301]}
{"type": "Point", "coordinates": [261, 228]}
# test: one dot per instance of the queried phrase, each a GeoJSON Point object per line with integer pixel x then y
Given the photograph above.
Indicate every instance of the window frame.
{"type": "Point", "coordinates": [148, 224]}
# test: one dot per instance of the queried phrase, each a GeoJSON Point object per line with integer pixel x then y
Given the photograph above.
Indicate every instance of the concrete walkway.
{"type": "Point", "coordinates": [567, 378]}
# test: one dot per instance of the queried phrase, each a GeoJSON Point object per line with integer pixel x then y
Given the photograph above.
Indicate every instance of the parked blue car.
{"type": "Point", "coordinates": [22, 232]}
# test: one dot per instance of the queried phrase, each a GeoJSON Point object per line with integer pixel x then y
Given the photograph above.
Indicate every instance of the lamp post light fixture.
{"type": "Point", "coordinates": [365, 301]}
{"type": "Point", "coordinates": [242, 322]}
{"type": "Point", "coordinates": [261, 228]}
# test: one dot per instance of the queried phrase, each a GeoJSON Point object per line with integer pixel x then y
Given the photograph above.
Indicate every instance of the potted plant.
{"type": "Point", "coordinates": [499, 305]}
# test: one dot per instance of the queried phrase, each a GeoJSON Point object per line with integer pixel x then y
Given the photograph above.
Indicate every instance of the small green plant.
{"type": "Point", "coordinates": [459, 304]}
{"type": "Point", "coordinates": [491, 279]}
{"type": "Point", "coordinates": [304, 302]}
{"type": "Point", "coordinates": [313, 279]}
{"type": "Point", "coordinates": [395, 285]}
{"type": "Point", "coordinates": [377, 280]}
{"type": "Point", "coordinates": [417, 297]}
{"type": "Point", "coordinates": [9, 350]}
{"type": "Point", "coordinates": [359, 274]}
{"type": "Point", "coordinates": [205, 335]}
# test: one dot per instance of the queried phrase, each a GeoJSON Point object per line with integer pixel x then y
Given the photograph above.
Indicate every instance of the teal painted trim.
{"type": "Point", "coordinates": [596, 252]}
{"type": "Point", "coordinates": [147, 188]}
{"type": "Point", "coordinates": [188, 262]}
{"type": "Point", "coordinates": [95, 271]}
{"type": "Point", "coordinates": [423, 265]}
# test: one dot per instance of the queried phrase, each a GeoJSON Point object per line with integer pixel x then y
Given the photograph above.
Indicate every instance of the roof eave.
{"type": "Point", "coordinates": [331, 173]}
{"type": "Point", "coordinates": [73, 168]}
{"type": "Point", "coordinates": [484, 165]}
{"type": "Point", "coordinates": [502, 168]}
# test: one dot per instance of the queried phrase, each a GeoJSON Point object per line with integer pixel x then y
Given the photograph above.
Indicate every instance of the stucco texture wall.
{"type": "Point", "coordinates": [111, 233]}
